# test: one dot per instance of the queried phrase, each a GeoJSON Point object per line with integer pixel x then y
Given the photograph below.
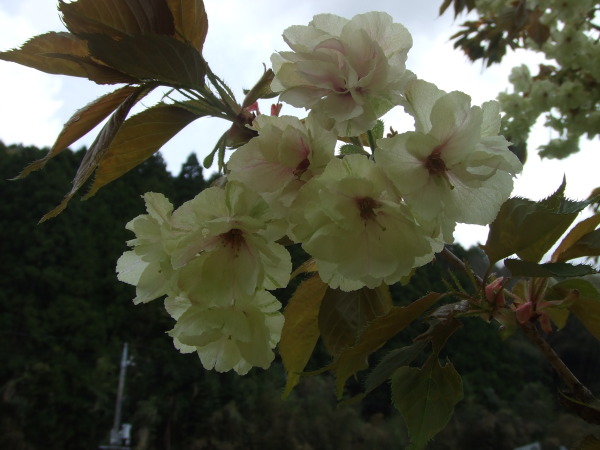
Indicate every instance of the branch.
{"type": "Point", "coordinates": [579, 390]}
{"type": "Point", "coordinates": [459, 264]}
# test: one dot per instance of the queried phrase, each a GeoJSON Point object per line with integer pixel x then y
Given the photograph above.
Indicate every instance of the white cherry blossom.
{"type": "Point", "coordinates": [348, 72]}
{"type": "Point", "coordinates": [357, 228]}
{"type": "Point", "coordinates": [148, 265]}
{"type": "Point", "coordinates": [454, 167]}
{"type": "Point", "coordinates": [237, 337]}
{"type": "Point", "coordinates": [285, 155]}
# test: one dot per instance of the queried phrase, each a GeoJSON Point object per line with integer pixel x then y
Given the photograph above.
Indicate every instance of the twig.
{"type": "Point", "coordinates": [578, 390]}
{"type": "Point", "coordinates": [458, 263]}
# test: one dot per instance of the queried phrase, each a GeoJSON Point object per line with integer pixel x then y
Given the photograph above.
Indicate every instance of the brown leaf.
{"type": "Point", "coordinates": [588, 412]}
{"type": "Point", "coordinates": [99, 147]}
{"type": "Point", "coordinates": [117, 17]}
{"type": "Point", "coordinates": [301, 330]}
{"type": "Point", "coordinates": [34, 54]}
{"type": "Point", "coordinates": [308, 266]}
{"type": "Point", "coordinates": [537, 31]}
{"type": "Point", "coordinates": [97, 72]}
{"type": "Point", "coordinates": [138, 139]}
{"type": "Point", "coordinates": [65, 54]}
{"type": "Point", "coordinates": [191, 22]}
{"type": "Point", "coordinates": [377, 333]}
{"type": "Point", "coordinates": [152, 58]}
{"type": "Point", "coordinates": [568, 247]}
{"type": "Point", "coordinates": [344, 315]}
{"type": "Point", "coordinates": [81, 123]}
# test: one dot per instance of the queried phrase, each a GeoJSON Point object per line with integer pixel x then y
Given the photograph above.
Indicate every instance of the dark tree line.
{"type": "Point", "coordinates": [64, 318]}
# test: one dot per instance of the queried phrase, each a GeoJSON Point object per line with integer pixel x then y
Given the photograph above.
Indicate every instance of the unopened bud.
{"type": "Point", "coordinates": [524, 312]}
{"type": "Point", "coordinates": [494, 293]}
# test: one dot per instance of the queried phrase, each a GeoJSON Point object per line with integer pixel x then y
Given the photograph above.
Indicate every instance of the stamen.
{"type": "Point", "coordinates": [301, 168]}
{"type": "Point", "coordinates": [435, 164]}
{"type": "Point", "coordinates": [234, 238]}
{"type": "Point", "coordinates": [367, 207]}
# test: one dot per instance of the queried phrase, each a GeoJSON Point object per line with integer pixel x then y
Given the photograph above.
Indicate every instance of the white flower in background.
{"type": "Point", "coordinates": [454, 167]}
{"type": "Point", "coordinates": [285, 154]}
{"type": "Point", "coordinates": [357, 228]}
{"type": "Point", "coordinates": [237, 337]}
{"type": "Point", "coordinates": [227, 249]}
{"type": "Point", "coordinates": [148, 265]}
{"type": "Point", "coordinates": [349, 72]}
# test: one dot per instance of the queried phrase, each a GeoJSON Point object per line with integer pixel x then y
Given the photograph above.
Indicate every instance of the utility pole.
{"type": "Point", "coordinates": [118, 435]}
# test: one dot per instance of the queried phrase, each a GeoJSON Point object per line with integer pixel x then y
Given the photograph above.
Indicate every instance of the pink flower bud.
{"type": "Point", "coordinates": [524, 312]}
{"type": "Point", "coordinates": [494, 293]}
{"type": "Point", "coordinates": [276, 109]}
{"type": "Point", "coordinates": [253, 107]}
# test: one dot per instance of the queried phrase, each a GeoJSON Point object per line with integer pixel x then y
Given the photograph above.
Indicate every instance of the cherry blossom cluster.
{"type": "Point", "coordinates": [366, 218]}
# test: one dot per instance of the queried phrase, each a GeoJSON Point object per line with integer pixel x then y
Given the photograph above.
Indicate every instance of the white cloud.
{"type": "Point", "coordinates": [30, 99]}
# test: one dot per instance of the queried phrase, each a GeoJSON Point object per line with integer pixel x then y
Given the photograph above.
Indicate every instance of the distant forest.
{"type": "Point", "coordinates": [64, 319]}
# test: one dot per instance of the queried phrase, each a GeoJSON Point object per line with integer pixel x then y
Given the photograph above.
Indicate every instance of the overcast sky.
{"type": "Point", "coordinates": [242, 35]}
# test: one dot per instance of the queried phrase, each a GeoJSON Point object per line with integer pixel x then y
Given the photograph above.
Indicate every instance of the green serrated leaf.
{"type": "Point", "coordinates": [378, 130]}
{"type": "Point", "coordinates": [426, 398]}
{"type": "Point", "coordinates": [377, 333]}
{"type": "Point", "coordinates": [520, 268]}
{"type": "Point", "coordinates": [351, 149]}
{"type": "Point", "coordinates": [529, 229]}
{"type": "Point", "coordinates": [344, 315]}
{"type": "Point", "coordinates": [301, 329]}
{"type": "Point", "coordinates": [391, 362]}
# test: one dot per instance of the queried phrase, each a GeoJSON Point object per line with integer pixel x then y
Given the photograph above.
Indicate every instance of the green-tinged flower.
{"type": "Point", "coordinates": [348, 72]}
{"type": "Point", "coordinates": [285, 154]}
{"type": "Point", "coordinates": [148, 265]}
{"type": "Point", "coordinates": [454, 167]}
{"type": "Point", "coordinates": [176, 306]}
{"type": "Point", "coordinates": [227, 245]}
{"type": "Point", "coordinates": [357, 228]}
{"type": "Point", "coordinates": [236, 337]}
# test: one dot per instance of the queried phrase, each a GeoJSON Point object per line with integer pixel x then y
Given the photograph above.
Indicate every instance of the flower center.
{"type": "Point", "coordinates": [234, 238]}
{"type": "Point", "coordinates": [301, 168]}
{"type": "Point", "coordinates": [435, 164]}
{"type": "Point", "coordinates": [367, 206]}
